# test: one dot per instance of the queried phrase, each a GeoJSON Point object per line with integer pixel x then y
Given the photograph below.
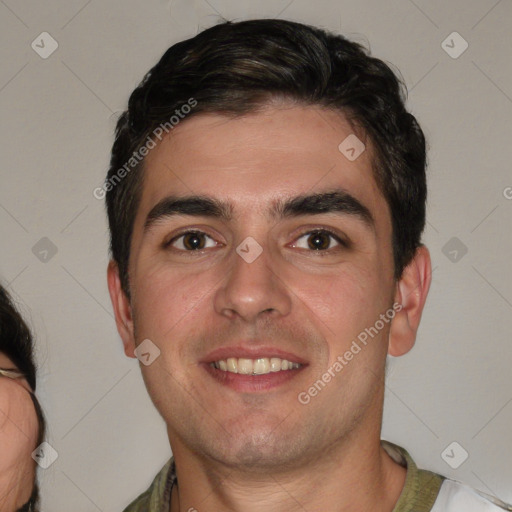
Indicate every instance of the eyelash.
{"type": "Point", "coordinates": [324, 252]}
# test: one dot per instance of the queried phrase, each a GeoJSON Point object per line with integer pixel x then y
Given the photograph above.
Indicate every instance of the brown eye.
{"type": "Point", "coordinates": [319, 240]}
{"type": "Point", "coordinates": [190, 241]}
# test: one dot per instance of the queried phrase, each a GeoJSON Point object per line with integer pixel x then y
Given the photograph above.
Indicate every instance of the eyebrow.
{"type": "Point", "coordinates": [337, 201]}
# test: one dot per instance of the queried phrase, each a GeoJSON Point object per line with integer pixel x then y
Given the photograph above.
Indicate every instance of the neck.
{"type": "Point", "coordinates": [352, 475]}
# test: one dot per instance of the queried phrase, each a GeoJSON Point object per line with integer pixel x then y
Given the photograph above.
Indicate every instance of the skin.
{"type": "Point", "coordinates": [18, 437]}
{"type": "Point", "coordinates": [256, 451]}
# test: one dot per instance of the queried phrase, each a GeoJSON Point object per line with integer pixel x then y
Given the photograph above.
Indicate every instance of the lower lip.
{"type": "Point", "coordinates": [252, 383]}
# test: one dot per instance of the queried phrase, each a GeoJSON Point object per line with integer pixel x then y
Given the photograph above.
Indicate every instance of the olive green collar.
{"type": "Point", "coordinates": [421, 487]}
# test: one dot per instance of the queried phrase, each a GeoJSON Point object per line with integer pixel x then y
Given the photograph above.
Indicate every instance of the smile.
{"type": "Point", "coordinates": [259, 366]}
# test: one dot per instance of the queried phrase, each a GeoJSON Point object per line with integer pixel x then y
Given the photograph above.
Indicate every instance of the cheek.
{"type": "Point", "coordinates": [19, 425]}
{"type": "Point", "coordinates": [167, 303]}
{"type": "Point", "coordinates": [343, 304]}
{"type": "Point", "coordinates": [338, 298]}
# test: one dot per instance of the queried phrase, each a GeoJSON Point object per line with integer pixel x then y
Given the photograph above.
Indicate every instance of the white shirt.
{"type": "Point", "coordinates": [458, 497]}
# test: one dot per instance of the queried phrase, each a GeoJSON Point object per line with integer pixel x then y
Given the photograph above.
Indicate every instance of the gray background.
{"type": "Point", "coordinates": [58, 116]}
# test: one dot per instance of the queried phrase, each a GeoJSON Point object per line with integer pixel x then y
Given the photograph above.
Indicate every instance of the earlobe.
{"type": "Point", "coordinates": [122, 309]}
{"type": "Point", "coordinates": [411, 293]}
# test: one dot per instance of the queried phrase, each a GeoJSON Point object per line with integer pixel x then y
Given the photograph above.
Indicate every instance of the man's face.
{"type": "Point", "coordinates": [305, 298]}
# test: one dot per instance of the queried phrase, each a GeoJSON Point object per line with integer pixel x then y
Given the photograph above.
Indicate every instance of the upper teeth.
{"type": "Point", "coordinates": [258, 366]}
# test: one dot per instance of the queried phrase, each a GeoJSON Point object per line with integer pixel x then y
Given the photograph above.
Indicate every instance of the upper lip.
{"type": "Point", "coordinates": [248, 352]}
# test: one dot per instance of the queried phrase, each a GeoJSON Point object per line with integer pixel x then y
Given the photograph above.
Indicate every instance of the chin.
{"type": "Point", "coordinates": [257, 449]}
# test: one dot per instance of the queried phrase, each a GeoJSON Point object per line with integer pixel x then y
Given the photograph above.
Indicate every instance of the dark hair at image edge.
{"type": "Point", "coordinates": [239, 68]}
{"type": "Point", "coordinates": [16, 339]}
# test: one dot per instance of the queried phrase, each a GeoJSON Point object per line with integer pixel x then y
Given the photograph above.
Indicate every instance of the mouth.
{"type": "Point", "coordinates": [260, 366]}
{"type": "Point", "coordinates": [253, 370]}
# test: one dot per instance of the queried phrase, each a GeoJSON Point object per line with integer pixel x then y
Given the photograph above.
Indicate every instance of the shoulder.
{"type": "Point", "coordinates": [426, 491]}
{"type": "Point", "coordinates": [456, 496]}
{"type": "Point", "coordinates": [140, 504]}
{"type": "Point", "coordinates": [156, 497]}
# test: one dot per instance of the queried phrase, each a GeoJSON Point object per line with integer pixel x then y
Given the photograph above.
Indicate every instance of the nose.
{"type": "Point", "coordinates": [252, 288]}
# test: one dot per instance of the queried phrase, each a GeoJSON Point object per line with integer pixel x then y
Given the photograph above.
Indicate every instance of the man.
{"type": "Point", "coordinates": [266, 199]}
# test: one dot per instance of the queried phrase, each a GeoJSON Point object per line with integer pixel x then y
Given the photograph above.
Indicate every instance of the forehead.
{"type": "Point", "coordinates": [253, 160]}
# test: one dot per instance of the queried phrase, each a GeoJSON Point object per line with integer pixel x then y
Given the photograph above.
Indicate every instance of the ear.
{"type": "Point", "coordinates": [122, 309]}
{"type": "Point", "coordinates": [411, 293]}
